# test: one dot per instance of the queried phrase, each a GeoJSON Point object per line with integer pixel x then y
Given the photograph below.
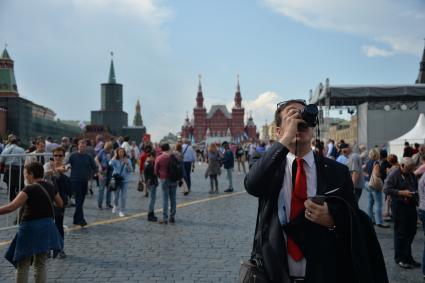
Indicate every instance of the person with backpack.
{"type": "Point", "coordinates": [169, 169]}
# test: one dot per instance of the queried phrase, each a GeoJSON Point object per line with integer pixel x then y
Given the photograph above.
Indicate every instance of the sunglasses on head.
{"type": "Point", "coordinates": [282, 104]}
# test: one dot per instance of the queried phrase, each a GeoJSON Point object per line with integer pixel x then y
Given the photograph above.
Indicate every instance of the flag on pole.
{"type": "Point", "coordinates": [82, 125]}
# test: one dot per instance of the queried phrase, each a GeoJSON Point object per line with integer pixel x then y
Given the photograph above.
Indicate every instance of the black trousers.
{"type": "Point", "coordinates": [187, 170]}
{"type": "Point", "coordinates": [405, 219]}
{"type": "Point", "coordinates": [80, 190]}
{"type": "Point", "coordinates": [59, 215]}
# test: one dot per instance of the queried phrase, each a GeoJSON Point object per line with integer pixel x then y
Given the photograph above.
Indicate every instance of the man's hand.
{"type": "Point", "coordinates": [406, 193]}
{"type": "Point", "coordinates": [290, 121]}
{"type": "Point", "coordinates": [318, 214]}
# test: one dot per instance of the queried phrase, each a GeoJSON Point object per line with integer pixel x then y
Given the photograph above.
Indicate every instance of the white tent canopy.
{"type": "Point", "coordinates": [415, 135]}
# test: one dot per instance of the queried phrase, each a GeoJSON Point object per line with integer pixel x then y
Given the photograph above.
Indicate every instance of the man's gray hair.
{"type": "Point", "coordinates": [407, 161]}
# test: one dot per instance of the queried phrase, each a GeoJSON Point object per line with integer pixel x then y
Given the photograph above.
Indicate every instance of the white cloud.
{"type": "Point", "coordinates": [262, 107]}
{"type": "Point", "coordinates": [150, 11]}
{"type": "Point", "coordinates": [373, 51]}
{"type": "Point", "coordinates": [398, 24]}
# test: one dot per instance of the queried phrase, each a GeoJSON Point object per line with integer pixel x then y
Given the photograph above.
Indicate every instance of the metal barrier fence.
{"type": "Point", "coordinates": [12, 182]}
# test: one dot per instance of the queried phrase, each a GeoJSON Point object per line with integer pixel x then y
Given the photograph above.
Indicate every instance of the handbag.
{"type": "Point", "coordinates": [141, 186]}
{"type": "Point", "coordinates": [250, 273]}
{"type": "Point", "coordinates": [252, 270]}
{"type": "Point", "coordinates": [375, 183]}
{"type": "Point", "coordinates": [117, 180]}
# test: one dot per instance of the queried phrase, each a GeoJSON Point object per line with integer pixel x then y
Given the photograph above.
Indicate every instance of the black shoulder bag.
{"type": "Point", "coordinates": [117, 180]}
{"type": "Point", "coordinates": [252, 271]}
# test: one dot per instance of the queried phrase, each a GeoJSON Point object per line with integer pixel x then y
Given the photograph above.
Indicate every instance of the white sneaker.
{"type": "Point", "coordinates": [114, 209]}
{"type": "Point", "coordinates": [121, 214]}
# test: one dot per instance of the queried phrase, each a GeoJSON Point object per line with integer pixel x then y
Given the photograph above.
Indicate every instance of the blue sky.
{"type": "Point", "coordinates": [280, 48]}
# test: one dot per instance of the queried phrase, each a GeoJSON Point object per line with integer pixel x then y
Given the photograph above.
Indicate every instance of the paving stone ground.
{"type": "Point", "coordinates": [206, 244]}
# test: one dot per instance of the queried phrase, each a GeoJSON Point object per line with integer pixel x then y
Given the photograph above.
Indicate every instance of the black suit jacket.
{"type": "Point", "coordinates": [351, 253]}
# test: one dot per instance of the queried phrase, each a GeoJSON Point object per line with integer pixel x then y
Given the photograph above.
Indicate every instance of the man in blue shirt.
{"type": "Point", "coordinates": [13, 166]}
{"type": "Point", "coordinates": [345, 153]}
{"type": "Point", "coordinates": [189, 158]}
{"type": "Point", "coordinates": [82, 168]}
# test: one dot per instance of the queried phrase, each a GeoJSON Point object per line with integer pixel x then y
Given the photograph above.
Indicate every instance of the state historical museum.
{"type": "Point", "coordinates": [218, 123]}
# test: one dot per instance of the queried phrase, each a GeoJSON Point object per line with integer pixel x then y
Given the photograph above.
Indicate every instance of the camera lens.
{"type": "Point", "coordinates": [309, 115]}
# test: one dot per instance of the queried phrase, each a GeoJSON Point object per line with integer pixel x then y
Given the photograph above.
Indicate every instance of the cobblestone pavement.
{"type": "Point", "coordinates": [211, 236]}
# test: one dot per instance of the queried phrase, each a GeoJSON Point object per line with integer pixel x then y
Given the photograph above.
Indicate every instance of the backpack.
{"type": "Point", "coordinates": [175, 169]}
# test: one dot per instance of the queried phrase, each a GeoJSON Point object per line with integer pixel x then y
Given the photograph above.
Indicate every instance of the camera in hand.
{"type": "Point", "coordinates": [309, 115]}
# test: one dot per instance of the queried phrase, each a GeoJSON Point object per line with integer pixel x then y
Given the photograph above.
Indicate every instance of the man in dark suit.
{"type": "Point", "coordinates": [300, 239]}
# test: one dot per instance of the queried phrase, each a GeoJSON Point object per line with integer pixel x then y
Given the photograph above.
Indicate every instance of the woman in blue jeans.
{"type": "Point", "coordinates": [421, 189]}
{"type": "Point", "coordinates": [375, 199]}
{"type": "Point", "coordinates": [121, 165]}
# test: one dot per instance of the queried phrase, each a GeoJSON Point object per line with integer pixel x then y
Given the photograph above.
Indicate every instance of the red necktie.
{"type": "Point", "coordinates": [299, 195]}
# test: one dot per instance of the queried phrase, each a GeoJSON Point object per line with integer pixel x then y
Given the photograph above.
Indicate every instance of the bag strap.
{"type": "Point", "coordinates": [50, 199]}
{"type": "Point", "coordinates": [187, 146]}
{"type": "Point", "coordinates": [122, 168]}
{"type": "Point", "coordinates": [256, 247]}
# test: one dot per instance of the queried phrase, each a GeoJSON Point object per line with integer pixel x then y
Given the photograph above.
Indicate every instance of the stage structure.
{"type": "Point", "coordinates": [384, 112]}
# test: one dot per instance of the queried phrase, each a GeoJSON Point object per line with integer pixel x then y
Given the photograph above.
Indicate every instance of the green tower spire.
{"type": "Point", "coordinates": [7, 74]}
{"type": "Point", "coordinates": [5, 55]}
{"type": "Point", "coordinates": [138, 122]}
{"type": "Point", "coordinates": [112, 71]}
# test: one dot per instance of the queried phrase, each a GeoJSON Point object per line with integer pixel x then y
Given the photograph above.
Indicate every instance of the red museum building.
{"type": "Point", "coordinates": [219, 122]}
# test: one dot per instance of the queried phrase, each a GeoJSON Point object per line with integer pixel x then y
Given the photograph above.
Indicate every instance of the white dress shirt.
{"type": "Point", "coordinates": [296, 268]}
{"type": "Point", "coordinates": [330, 148]}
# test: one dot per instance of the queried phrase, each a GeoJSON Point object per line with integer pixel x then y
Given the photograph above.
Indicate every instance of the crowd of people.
{"type": "Point", "coordinates": [67, 171]}
{"type": "Point", "coordinates": [395, 188]}
{"type": "Point", "coordinates": [64, 172]}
